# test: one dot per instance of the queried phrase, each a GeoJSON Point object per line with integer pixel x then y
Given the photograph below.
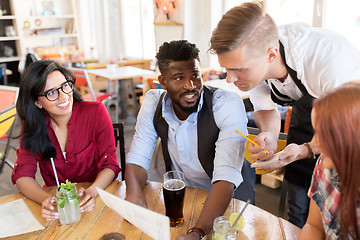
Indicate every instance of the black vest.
{"type": "Point", "coordinates": [207, 132]}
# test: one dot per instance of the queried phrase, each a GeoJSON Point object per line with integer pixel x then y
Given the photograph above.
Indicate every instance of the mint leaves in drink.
{"type": "Point", "coordinates": [64, 193]}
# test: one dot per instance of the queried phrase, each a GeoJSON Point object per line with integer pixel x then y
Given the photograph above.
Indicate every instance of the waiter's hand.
{"type": "Point", "coordinates": [291, 153]}
{"type": "Point", "coordinates": [266, 140]}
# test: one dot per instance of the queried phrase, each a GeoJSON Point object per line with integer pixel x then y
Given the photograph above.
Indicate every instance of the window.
{"type": "Point", "coordinates": [344, 18]}
{"type": "Point", "coordinates": [138, 29]}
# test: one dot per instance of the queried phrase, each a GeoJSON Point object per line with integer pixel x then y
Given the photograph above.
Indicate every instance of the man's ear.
{"type": "Point", "coordinates": [272, 54]}
{"type": "Point", "coordinates": [162, 81]}
{"type": "Point", "coordinates": [38, 104]}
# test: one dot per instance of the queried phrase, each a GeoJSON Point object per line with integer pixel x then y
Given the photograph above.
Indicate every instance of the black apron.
{"type": "Point", "coordinates": [300, 128]}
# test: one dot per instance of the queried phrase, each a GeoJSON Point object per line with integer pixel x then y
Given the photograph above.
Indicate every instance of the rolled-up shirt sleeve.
{"type": "Point", "coordinates": [229, 114]}
{"type": "Point", "coordinates": [260, 97]}
{"type": "Point", "coordinates": [145, 136]}
{"type": "Point", "coordinates": [25, 166]}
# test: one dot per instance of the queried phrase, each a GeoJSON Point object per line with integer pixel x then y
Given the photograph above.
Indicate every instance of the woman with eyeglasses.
{"type": "Point", "coordinates": [57, 124]}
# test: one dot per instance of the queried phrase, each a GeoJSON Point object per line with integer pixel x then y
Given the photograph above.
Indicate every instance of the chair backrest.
{"type": "Point", "coordinates": [3, 73]}
{"type": "Point", "coordinates": [29, 59]}
{"type": "Point", "coordinates": [154, 83]}
{"type": "Point", "coordinates": [83, 80]}
{"type": "Point", "coordinates": [287, 120]}
{"type": "Point", "coordinates": [8, 98]}
{"type": "Point", "coordinates": [120, 145]}
{"type": "Point", "coordinates": [253, 132]}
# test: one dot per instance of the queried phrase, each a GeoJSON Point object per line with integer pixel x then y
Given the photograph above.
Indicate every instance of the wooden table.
{"type": "Point", "coordinates": [123, 78]}
{"type": "Point", "coordinates": [259, 224]}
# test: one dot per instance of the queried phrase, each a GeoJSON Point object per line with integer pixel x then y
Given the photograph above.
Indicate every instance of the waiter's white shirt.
{"type": "Point", "coordinates": [323, 60]}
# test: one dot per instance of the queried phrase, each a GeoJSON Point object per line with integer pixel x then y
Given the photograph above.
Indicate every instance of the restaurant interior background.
{"type": "Point", "coordinates": [103, 31]}
{"type": "Point", "coordinates": [115, 30]}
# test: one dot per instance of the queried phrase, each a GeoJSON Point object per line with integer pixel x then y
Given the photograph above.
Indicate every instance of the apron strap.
{"type": "Point", "coordinates": [291, 71]}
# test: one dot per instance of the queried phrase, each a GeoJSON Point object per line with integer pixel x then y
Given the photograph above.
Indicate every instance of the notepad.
{"type": "Point", "coordinates": [267, 163]}
{"type": "Point", "coordinates": [16, 218]}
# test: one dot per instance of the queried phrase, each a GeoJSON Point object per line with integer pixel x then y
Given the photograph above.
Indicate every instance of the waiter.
{"type": "Point", "coordinates": [287, 65]}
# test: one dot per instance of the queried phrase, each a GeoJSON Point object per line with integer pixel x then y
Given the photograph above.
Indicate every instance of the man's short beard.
{"type": "Point", "coordinates": [189, 110]}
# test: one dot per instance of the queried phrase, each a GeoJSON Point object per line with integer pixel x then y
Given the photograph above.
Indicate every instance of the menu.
{"type": "Point", "coordinates": [16, 218]}
{"type": "Point", "coordinates": [151, 223]}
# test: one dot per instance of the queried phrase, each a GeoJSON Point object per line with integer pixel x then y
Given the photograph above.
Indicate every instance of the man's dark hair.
{"type": "Point", "coordinates": [179, 50]}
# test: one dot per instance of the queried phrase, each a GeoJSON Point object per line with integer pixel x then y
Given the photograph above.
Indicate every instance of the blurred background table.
{"type": "Point", "coordinates": [124, 85]}
{"type": "Point", "coordinates": [259, 224]}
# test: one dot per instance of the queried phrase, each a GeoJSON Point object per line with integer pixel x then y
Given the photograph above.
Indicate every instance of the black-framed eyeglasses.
{"type": "Point", "coordinates": [54, 93]}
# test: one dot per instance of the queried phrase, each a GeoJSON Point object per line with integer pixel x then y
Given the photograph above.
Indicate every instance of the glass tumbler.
{"type": "Point", "coordinates": [68, 206]}
{"type": "Point", "coordinates": [222, 229]}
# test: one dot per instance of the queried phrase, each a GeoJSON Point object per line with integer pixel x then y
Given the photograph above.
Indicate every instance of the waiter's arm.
{"type": "Point", "coordinates": [268, 121]}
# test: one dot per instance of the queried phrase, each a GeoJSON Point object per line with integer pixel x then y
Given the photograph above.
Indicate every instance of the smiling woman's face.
{"type": "Point", "coordinates": [61, 106]}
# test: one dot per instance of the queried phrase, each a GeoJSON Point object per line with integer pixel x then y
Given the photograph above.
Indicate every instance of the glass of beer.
{"type": "Point", "coordinates": [174, 193]}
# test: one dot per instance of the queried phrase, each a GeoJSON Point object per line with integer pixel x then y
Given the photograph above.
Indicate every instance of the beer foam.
{"type": "Point", "coordinates": [174, 185]}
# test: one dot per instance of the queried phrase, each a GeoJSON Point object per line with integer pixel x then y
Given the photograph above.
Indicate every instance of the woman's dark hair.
{"type": "Point", "coordinates": [179, 50]}
{"type": "Point", "coordinates": [34, 136]}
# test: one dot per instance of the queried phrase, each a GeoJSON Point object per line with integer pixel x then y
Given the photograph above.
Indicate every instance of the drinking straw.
{"type": "Point", "coordinates": [56, 177]}
{"type": "Point", "coordinates": [251, 141]}
{"type": "Point", "coordinates": [241, 213]}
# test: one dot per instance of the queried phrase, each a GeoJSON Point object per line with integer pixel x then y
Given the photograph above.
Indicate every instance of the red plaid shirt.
{"type": "Point", "coordinates": [325, 191]}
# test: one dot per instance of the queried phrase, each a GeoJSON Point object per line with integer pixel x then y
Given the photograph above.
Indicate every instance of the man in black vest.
{"type": "Point", "coordinates": [197, 127]}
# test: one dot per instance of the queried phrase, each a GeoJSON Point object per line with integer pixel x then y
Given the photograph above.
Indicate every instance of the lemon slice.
{"type": "Point", "coordinates": [240, 224]}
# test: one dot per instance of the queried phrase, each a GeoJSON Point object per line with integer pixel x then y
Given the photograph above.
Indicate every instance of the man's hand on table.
{"type": "Point", "coordinates": [136, 197]}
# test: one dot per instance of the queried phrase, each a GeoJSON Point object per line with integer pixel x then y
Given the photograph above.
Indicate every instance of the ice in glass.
{"type": "Point", "coordinates": [67, 201]}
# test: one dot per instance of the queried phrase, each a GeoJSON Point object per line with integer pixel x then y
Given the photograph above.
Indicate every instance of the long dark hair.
{"type": "Point", "coordinates": [34, 136]}
{"type": "Point", "coordinates": [337, 126]}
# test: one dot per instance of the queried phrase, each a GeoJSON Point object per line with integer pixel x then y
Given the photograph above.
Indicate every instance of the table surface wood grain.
{"type": "Point", "coordinates": [259, 224]}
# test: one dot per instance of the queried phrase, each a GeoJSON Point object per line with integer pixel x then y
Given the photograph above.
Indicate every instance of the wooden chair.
{"type": "Point", "coordinates": [120, 145]}
{"type": "Point", "coordinates": [8, 98]}
{"type": "Point", "coordinates": [84, 87]}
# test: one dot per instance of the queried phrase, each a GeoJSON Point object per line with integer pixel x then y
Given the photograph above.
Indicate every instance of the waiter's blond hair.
{"type": "Point", "coordinates": [247, 24]}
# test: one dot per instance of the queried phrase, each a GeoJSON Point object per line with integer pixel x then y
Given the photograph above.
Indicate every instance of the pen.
{"type": "Point", "coordinates": [251, 141]}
